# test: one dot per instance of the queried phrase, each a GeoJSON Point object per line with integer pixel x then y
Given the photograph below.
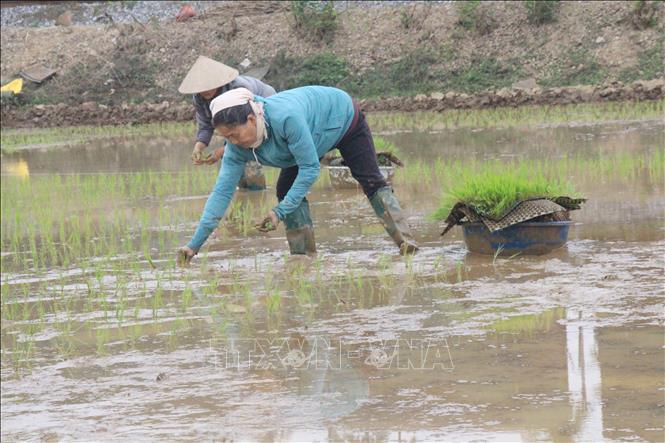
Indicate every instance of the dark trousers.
{"type": "Point", "coordinates": [357, 149]}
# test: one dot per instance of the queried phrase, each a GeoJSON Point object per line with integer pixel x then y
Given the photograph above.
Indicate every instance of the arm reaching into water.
{"type": "Point", "coordinates": [232, 168]}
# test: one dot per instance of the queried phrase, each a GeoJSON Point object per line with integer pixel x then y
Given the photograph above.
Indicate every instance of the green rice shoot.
{"type": "Point", "coordinates": [493, 192]}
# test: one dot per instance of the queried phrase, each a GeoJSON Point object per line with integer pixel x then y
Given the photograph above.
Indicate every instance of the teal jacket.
{"type": "Point", "coordinates": [302, 124]}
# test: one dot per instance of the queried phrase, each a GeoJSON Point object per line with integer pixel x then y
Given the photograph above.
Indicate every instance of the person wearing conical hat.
{"type": "Point", "coordinates": [206, 80]}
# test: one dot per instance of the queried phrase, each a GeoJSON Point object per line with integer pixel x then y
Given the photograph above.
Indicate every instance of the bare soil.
{"type": "Point", "coordinates": [122, 65]}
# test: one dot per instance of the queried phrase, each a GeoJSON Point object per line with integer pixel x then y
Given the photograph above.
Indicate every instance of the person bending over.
{"type": "Point", "coordinates": [293, 130]}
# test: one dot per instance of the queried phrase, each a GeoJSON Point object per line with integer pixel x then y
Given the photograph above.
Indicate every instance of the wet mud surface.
{"type": "Point", "coordinates": [358, 343]}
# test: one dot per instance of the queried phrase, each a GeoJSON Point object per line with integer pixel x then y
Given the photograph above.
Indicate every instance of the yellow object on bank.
{"type": "Point", "coordinates": [17, 169]}
{"type": "Point", "coordinates": [14, 86]}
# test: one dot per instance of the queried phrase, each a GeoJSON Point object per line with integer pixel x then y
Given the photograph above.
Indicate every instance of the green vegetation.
{"type": "Point", "coordinates": [528, 324]}
{"type": "Point", "coordinates": [523, 116]}
{"type": "Point", "coordinates": [112, 295]}
{"type": "Point", "coordinates": [482, 74]}
{"type": "Point", "coordinates": [88, 260]}
{"type": "Point", "coordinates": [644, 14]}
{"type": "Point", "coordinates": [418, 71]}
{"type": "Point", "coordinates": [381, 144]}
{"type": "Point", "coordinates": [321, 69]}
{"type": "Point", "coordinates": [474, 16]}
{"type": "Point", "coordinates": [650, 65]}
{"type": "Point", "coordinates": [12, 139]}
{"type": "Point", "coordinates": [466, 13]}
{"type": "Point", "coordinates": [406, 76]}
{"type": "Point", "coordinates": [581, 68]}
{"type": "Point", "coordinates": [456, 178]}
{"type": "Point", "coordinates": [387, 153]}
{"type": "Point", "coordinates": [472, 178]}
{"type": "Point", "coordinates": [63, 220]}
{"type": "Point", "coordinates": [541, 11]}
{"type": "Point", "coordinates": [315, 18]}
{"type": "Point", "coordinates": [495, 191]}
{"type": "Point", "coordinates": [407, 18]}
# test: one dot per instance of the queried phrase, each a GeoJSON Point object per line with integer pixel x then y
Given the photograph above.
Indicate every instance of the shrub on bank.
{"type": "Point", "coordinates": [644, 14]}
{"type": "Point", "coordinates": [315, 18]}
{"type": "Point", "coordinates": [581, 68]}
{"type": "Point", "coordinates": [650, 65]}
{"type": "Point", "coordinates": [540, 12]}
{"type": "Point", "coordinates": [412, 74]}
{"type": "Point", "coordinates": [473, 16]}
{"type": "Point", "coordinates": [321, 69]}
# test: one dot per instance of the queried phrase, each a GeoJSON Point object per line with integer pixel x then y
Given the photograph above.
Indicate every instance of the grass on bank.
{"type": "Point", "coordinates": [434, 68]}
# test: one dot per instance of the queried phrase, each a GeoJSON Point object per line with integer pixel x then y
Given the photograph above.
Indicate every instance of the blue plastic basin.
{"type": "Point", "coordinates": [528, 238]}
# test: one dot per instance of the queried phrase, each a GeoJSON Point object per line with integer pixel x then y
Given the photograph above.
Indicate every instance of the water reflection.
{"type": "Point", "coordinates": [584, 377]}
{"type": "Point", "coordinates": [110, 155]}
{"type": "Point", "coordinates": [525, 143]}
{"type": "Point", "coordinates": [129, 154]}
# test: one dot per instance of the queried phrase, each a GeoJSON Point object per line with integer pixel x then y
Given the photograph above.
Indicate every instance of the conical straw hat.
{"type": "Point", "coordinates": [206, 74]}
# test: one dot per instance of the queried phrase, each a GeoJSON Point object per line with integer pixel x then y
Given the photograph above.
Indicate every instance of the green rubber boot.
{"type": "Point", "coordinates": [300, 230]}
{"type": "Point", "coordinates": [387, 208]}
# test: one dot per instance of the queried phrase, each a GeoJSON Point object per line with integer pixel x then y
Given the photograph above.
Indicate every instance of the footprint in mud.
{"type": "Point", "coordinates": [298, 263]}
{"type": "Point", "coordinates": [6, 324]}
{"type": "Point", "coordinates": [235, 309]}
{"type": "Point", "coordinates": [161, 376]}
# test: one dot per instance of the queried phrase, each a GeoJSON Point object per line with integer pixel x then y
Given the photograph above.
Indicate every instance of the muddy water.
{"type": "Point", "coordinates": [363, 345]}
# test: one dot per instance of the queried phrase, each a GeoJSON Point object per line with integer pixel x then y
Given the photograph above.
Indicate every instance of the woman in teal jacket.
{"type": "Point", "coordinates": [292, 130]}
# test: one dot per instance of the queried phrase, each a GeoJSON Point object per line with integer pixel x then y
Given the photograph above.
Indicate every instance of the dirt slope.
{"type": "Point", "coordinates": [115, 64]}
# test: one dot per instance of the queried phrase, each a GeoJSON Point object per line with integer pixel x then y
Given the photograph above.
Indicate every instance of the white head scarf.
{"type": "Point", "coordinates": [240, 96]}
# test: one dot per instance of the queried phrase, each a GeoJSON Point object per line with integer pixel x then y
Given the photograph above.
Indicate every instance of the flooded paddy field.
{"type": "Point", "coordinates": [104, 338]}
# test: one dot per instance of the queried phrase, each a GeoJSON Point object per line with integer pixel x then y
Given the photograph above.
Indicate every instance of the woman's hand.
{"type": "Point", "coordinates": [184, 256]}
{"type": "Point", "coordinates": [216, 155]}
{"type": "Point", "coordinates": [198, 154]}
{"type": "Point", "coordinates": [269, 223]}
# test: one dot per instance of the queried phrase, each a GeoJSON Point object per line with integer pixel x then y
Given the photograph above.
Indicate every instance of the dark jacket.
{"type": "Point", "coordinates": [203, 114]}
